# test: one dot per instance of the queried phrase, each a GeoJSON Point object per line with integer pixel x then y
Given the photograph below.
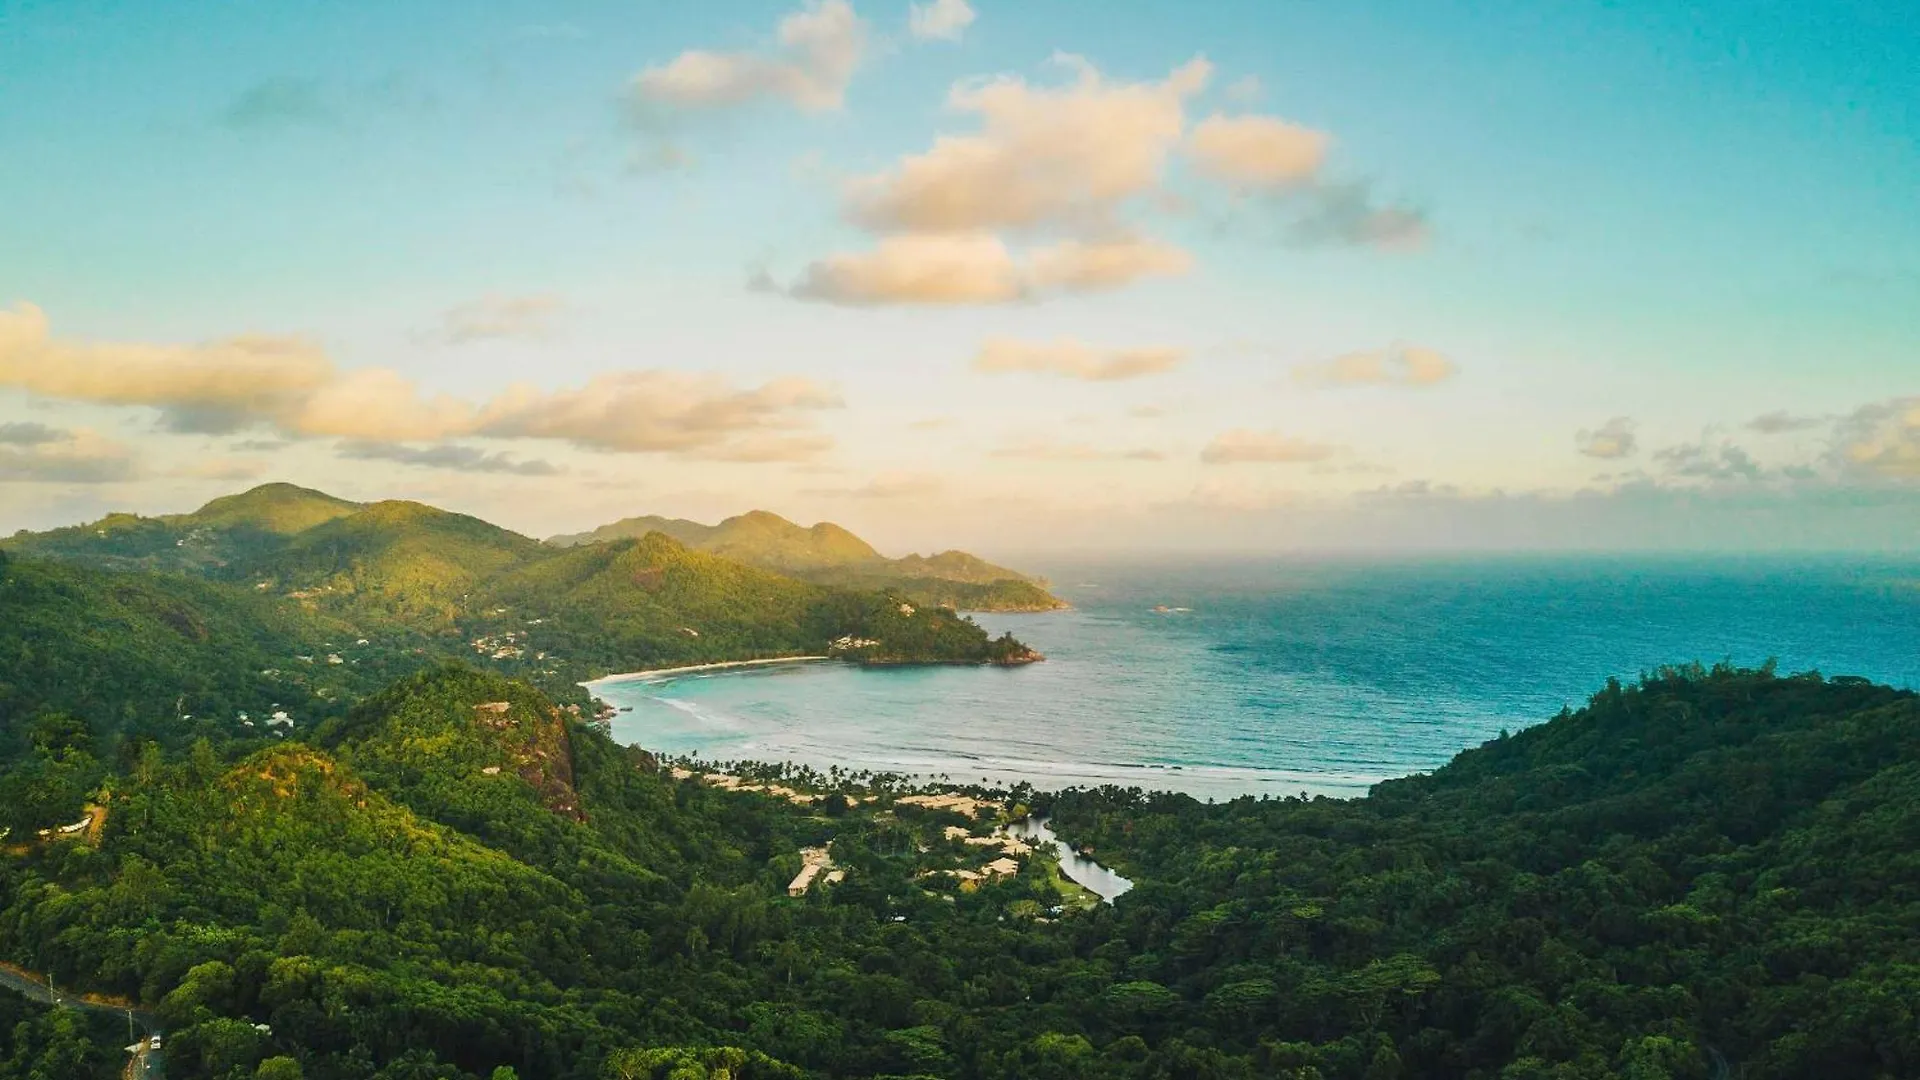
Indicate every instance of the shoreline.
{"type": "Point", "coordinates": [721, 665]}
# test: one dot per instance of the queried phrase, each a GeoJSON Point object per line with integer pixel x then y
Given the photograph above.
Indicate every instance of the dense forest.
{"type": "Point", "coordinates": [1708, 873]}
{"type": "Point", "coordinates": [311, 783]}
{"type": "Point", "coordinates": [284, 600]}
{"type": "Point", "coordinates": [827, 554]}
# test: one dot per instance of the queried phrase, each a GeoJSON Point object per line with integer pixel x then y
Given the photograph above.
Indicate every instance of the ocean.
{"type": "Point", "coordinates": [1277, 677]}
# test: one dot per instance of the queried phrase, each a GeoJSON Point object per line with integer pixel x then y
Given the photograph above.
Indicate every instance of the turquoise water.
{"type": "Point", "coordinates": [1290, 676]}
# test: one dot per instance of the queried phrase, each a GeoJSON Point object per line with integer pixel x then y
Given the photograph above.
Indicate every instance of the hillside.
{"type": "Point", "coordinates": [221, 539]}
{"type": "Point", "coordinates": [654, 602]}
{"type": "Point", "coordinates": [399, 584]}
{"type": "Point", "coordinates": [827, 554]}
{"type": "Point", "coordinates": [1709, 873]}
{"type": "Point", "coordinates": [404, 561]}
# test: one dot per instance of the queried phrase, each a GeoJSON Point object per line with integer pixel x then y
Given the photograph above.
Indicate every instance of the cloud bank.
{"type": "Point", "coordinates": [292, 388]}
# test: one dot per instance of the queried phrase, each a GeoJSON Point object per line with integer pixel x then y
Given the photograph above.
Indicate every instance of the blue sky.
{"type": "Point", "coordinates": [1521, 276]}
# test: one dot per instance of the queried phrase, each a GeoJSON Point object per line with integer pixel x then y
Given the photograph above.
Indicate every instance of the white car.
{"type": "Point", "coordinates": [153, 1043]}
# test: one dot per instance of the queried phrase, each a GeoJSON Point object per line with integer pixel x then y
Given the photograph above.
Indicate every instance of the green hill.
{"type": "Point", "coordinates": [1711, 873]}
{"type": "Point", "coordinates": [827, 554]}
{"type": "Point", "coordinates": [223, 539]}
{"type": "Point", "coordinates": [653, 602]}
{"type": "Point", "coordinates": [400, 560]}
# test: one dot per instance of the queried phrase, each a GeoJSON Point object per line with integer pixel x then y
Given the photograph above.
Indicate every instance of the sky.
{"type": "Point", "coordinates": [1034, 276]}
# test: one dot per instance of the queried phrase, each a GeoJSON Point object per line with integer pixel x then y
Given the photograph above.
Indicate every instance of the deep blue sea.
{"type": "Point", "coordinates": [1282, 676]}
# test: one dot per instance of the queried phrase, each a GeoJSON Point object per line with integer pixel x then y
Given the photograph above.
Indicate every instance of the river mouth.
{"type": "Point", "coordinates": [1079, 869]}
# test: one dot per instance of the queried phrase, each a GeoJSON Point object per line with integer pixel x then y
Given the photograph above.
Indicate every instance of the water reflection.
{"type": "Point", "coordinates": [1083, 871]}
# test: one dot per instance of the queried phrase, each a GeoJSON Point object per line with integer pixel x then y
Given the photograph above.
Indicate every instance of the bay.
{"type": "Point", "coordinates": [1228, 677]}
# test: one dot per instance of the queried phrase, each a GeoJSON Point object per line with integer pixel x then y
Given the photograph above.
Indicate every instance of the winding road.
{"type": "Point", "coordinates": [143, 1062]}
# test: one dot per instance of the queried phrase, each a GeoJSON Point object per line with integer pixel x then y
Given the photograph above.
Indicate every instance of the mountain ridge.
{"type": "Point", "coordinates": [828, 554]}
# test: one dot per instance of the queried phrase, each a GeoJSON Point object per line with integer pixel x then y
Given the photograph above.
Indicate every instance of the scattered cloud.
{"type": "Point", "coordinates": [941, 20]}
{"type": "Point", "coordinates": [1246, 89]}
{"type": "Point", "coordinates": [1882, 440]}
{"type": "Point", "coordinates": [654, 411]}
{"type": "Point", "coordinates": [1242, 446]}
{"type": "Point", "coordinates": [1704, 461]}
{"type": "Point", "coordinates": [1611, 441]}
{"type": "Point", "coordinates": [1079, 266]}
{"type": "Point", "coordinates": [493, 318]}
{"type": "Point", "coordinates": [1042, 154]}
{"type": "Point", "coordinates": [931, 423]}
{"type": "Point", "coordinates": [819, 49]}
{"type": "Point", "coordinates": [1074, 360]}
{"type": "Point", "coordinates": [292, 388]}
{"type": "Point", "coordinates": [1396, 365]}
{"type": "Point", "coordinates": [1347, 215]}
{"type": "Point", "coordinates": [1257, 152]}
{"type": "Point", "coordinates": [277, 103]}
{"type": "Point", "coordinates": [29, 433]}
{"type": "Point", "coordinates": [446, 456]}
{"type": "Point", "coordinates": [962, 268]}
{"type": "Point", "coordinates": [1783, 422]}
{"type": "Point", "coordinates": [78, 457]}
{"type": "Point", "coordinates": [1047, 450]}
{"type": "Point", "coordinates": [978, 268]}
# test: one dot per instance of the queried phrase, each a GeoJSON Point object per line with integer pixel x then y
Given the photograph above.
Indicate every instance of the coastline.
{"type": "Point", "coordinates": [722, 665]}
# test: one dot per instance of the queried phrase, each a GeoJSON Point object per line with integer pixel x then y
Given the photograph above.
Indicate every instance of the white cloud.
{"type": "Point", "coordinates": [941, 20]}
{"type": "Point", "coordinates": [1270, 447]}
{"type": "Point", "coordinates": [1074, 360]}
{"type": "Point", "coordinates": [820, 48]}
{"type": "Point", "coordinates": [1398, 365]}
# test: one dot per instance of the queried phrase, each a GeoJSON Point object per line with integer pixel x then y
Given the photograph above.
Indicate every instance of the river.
{"type": "Point", "coordinates": [1081, 870]}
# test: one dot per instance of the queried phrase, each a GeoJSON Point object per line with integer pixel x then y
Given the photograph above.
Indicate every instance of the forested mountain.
{"type": "Point", "coordinates": [220, 539]}
{"type": "Point", "coordinates": [827, 554]}
{"type": "Point", "coordinates": [1711, 873]}
{"type": "Point", "coordinates": [295, 582]}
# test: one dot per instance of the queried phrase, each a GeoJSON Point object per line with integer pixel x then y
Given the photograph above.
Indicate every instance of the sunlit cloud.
{"type": "Point", "coordinates": [1074, 360]}
{"type": "Point", "coordinates": [1256, 152]}
{"type": "Point", "coordinates": [1042, 154]}
{"type": "Point", "coordinates": [1398, 365]}
{"type": "Point", "coordinates": [979, 268]}
{"type": "Point", "coordinates": [819, 49]}
{"type": "Point", "coordinates": [1242, 446]}
{"type": "Point", "coordinates": [293, 389]}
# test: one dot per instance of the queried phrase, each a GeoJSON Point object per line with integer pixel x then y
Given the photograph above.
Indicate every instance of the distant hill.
{"type": "Point", "coordinates": [336, 591]}
{"type": "Point", "coordinates": [827, 554]}
{"type": "Point", "coordinates": [216, 540]}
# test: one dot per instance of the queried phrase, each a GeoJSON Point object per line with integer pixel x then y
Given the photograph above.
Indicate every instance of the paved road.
{"type": "Point", "coordinates": [141, 1065]}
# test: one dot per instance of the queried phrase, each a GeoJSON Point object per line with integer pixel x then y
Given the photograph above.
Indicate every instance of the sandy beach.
{"type": "Point", "coordinates": [656, 673]}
